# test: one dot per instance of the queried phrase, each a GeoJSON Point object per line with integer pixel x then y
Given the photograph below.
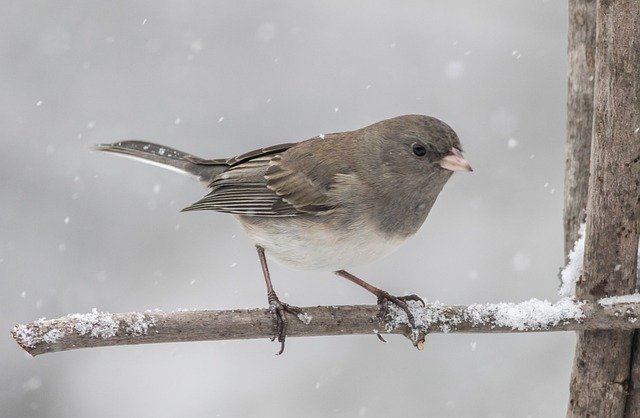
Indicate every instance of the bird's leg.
{"type": "Point", "coordinates": [399, 301]}
{"type": "Point", "coordinates": [276, 307]}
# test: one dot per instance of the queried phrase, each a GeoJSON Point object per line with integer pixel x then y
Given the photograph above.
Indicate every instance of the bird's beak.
{"type": "Point", "coordinates": [454, 161]}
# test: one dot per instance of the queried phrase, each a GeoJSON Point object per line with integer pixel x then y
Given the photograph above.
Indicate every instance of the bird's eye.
{"type": "Point", "coordinates": [419, 150]}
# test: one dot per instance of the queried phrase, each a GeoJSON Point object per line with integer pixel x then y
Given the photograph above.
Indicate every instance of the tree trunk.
{"type": "Point", "coordinates": [581, 51]}
{"type": "Point", "coordinates": [603, 362]}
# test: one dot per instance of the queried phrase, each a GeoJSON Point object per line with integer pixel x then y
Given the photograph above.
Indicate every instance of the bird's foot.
{"type": "Point", "coordinates": [385, 298]}
{"type": "Point", "coordinates": [278, 310]}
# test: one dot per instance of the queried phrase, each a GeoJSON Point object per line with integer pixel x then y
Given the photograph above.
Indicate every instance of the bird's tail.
{"type": "Point", "coordinates": [169, 158]}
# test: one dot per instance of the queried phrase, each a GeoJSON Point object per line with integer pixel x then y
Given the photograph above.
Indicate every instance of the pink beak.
{"type": "Point", "coordinates": [454, 161]}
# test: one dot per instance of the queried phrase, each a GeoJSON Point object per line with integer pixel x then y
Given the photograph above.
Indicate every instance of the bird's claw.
{"type": "Point", "coordinates": [400, 302]}
{"type": "Point", "coordinates": [278, 310]}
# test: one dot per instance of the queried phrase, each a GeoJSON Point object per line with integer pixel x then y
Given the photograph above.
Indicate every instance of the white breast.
{"type": "Point", "coordinates": [302, 244]}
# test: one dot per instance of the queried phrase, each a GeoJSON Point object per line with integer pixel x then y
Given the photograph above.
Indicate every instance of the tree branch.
{"type": "Point", "coordinates": [98, 329]}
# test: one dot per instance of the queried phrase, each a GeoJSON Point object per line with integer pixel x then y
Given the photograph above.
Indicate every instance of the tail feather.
{"type": "Point", "coordinates": [165, 157]}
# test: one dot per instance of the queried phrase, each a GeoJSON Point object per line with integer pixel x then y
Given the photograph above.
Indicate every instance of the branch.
{"type": "Point", "coordinates": [98, 329]}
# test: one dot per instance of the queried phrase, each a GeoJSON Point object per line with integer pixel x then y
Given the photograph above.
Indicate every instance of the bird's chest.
{"type": "Point", "coordinates": [313, 244]}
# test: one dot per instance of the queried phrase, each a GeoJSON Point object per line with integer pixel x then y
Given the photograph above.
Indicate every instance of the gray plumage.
{"type": "Point", "coordinates": [329, 202]}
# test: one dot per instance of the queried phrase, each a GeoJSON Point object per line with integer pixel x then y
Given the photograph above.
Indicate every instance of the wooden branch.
{"type": "Point", "coordinates": [600, 379]}
{"type": "Point", "coordinates": [97, 329]}
{"type": "Point", "coordinates": [580, 55]}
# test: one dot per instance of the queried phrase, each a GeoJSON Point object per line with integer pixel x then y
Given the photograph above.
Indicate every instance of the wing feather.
{"type": "Point", "coordinates": [271, 182]}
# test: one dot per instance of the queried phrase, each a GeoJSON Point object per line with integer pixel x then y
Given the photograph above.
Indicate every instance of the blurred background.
{"type": "Point", "coordinates": [80, 229]}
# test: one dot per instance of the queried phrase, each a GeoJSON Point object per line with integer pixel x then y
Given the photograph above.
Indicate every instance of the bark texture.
{"type": "Point", "coordinates": [581, 72]}
{"type": "Point", "coordinates": [602, 366]}
{"type": "Point", "coordinates": [98, 329]}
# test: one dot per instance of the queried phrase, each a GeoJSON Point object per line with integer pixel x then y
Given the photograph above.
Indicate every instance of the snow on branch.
{"type": "Point", "coordinates": [98, 329]}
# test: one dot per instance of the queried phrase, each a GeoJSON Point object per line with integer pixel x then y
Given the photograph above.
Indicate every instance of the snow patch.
{"type": "Point", "coordinates": [53, 336]}
{"type": "Point", "coordinates": [529, 315]}
{"type": "Point", "coordinates": [139, 324]}
{"type": "Point", "coordinates": [305, 318]}
{"type": "Point", "coordinates": [423, 316]}
{"type": "Point", "coordinates": [633, 298]}
{"type": "Point", "coordinates": [572, 271]}
{"type": "Point", "coordinates": [96, 324]}
{"type": "Point", "coordinates": [533, 314]}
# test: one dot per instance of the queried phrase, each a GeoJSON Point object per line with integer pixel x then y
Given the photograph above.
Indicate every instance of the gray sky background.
{"type": "Point", "coordinates": [80, 230]}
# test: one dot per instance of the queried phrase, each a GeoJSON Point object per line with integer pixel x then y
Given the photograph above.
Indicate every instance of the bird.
{"type": "Point", "coordinates": [331, 202]}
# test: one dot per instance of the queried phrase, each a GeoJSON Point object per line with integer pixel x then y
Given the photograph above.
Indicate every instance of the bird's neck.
{"type": "Point", "coordinates": [403, 213]}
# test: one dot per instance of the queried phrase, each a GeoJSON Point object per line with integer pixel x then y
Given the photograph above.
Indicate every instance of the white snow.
{"type": "Point", "coordinates": [529, 315]}
{"type": "Point", "coordinates": [305, 318]}
{"type": "Point", "coordinates": [52, 336]}
{"type": "Point", "coordinates": [139, 324]}
{"type": "Point", "coordinates": [94, 324]}
{"type": "Point", "coordinates": [572, 271]}
{"type": "Point", "coordinates": [25, 336]}
{"type": "Point", "coordinates": [512, 143]}
{"type": "Point", "coordinates": [532, 314]}
{"type": "Point", "coordinates": [633, 298]}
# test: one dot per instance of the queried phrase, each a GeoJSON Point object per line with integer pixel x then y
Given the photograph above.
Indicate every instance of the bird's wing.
{"type": "Point", "coordinates": [277, 181]}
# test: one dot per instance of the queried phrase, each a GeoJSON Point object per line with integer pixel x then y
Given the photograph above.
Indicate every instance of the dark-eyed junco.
{"type": "Point", "coordinates": [331, 202]}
